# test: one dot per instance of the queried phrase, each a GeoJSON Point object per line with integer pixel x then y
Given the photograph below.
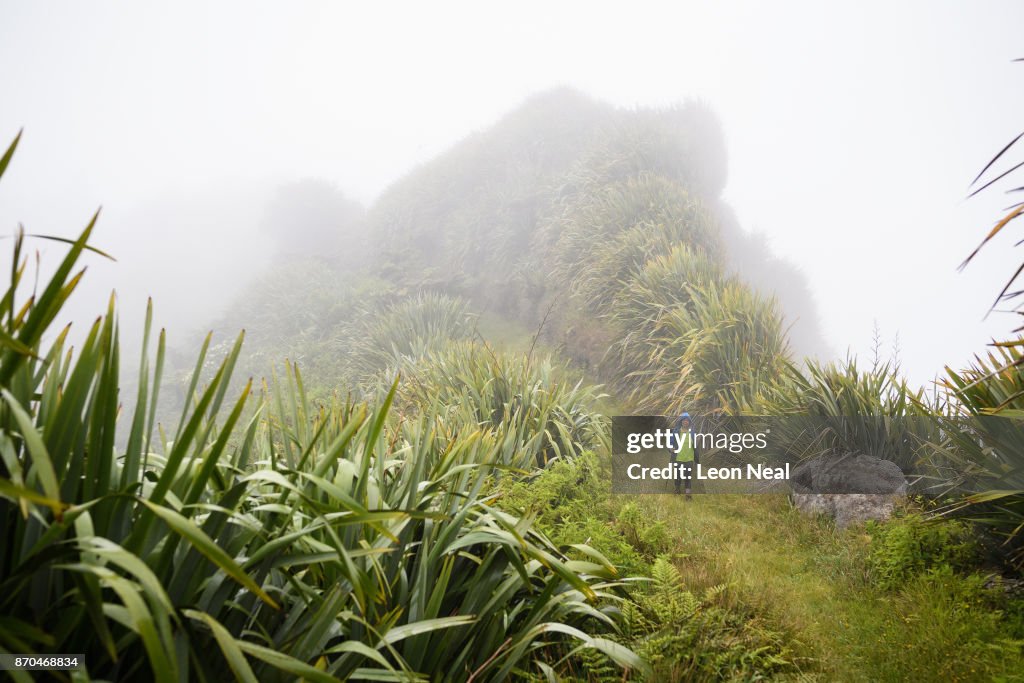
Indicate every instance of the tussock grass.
{"type": "Point", "coordinates": [269, 542]}
{"type": "Point", "coordinates": [981, 441]}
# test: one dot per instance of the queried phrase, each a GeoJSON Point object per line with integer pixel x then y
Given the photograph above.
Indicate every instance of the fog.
{"type": "Point", "coordinates": [853, 131]}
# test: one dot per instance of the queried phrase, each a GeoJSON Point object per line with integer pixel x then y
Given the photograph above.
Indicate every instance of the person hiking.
{"type": "Point", "coordinates": [684, 451]}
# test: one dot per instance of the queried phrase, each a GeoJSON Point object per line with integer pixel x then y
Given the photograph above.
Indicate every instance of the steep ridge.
{"type": "Point", "coordinates": [585, 220]}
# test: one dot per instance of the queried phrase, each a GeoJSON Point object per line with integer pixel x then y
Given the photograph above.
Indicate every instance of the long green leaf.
{"type": "Point", "coordinates": [201, 542]}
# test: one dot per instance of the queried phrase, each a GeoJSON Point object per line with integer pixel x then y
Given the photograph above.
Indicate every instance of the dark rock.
{"type": "Point", "coordinates": [851, 488]}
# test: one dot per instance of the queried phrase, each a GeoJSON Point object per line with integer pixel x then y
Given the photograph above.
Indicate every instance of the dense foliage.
{"type": "Point", "coordinates": [422, 502]}
{"type": "Point", "coordinates": [320, 542]}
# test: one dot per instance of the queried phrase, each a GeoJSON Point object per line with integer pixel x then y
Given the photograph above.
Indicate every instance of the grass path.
{"type": "Point", "coordinates": [810, 581]}
{"type": "Point", "coordinates": [774, 560]}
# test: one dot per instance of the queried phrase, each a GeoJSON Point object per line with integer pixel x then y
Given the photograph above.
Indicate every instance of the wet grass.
{"type": "Point", "coordinates": [812, 582]}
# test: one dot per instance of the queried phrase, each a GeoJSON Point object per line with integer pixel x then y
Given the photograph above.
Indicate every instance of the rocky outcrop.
{"type": "Point", "coordinates": [850, 488]}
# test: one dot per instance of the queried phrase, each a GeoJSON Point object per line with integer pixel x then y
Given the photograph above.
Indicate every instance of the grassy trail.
{"type": "Point", "coordinates": [792, 570]}
{"type": "Point", "coordinates": [801, 576]}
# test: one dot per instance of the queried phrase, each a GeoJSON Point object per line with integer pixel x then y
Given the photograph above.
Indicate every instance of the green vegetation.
{"type": "Point", "coordinates": [819, 401]}
{"type": "Point", "coordinates": [383, 338]}
{"type": "Point", "coordinates": [777, 594]}
{"type": "Point", "coordinates": [429, 498]}
{"type": "Point", "coordinates": [912, 544]}
{"type": "Point", "coordinates": [319, 542]}
{"type": "Point", "coordinates": [984, 442]}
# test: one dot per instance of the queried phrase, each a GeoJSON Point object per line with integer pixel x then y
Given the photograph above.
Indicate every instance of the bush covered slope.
{"type": "Point", "coordinates": [602, 226]}
{"type": "Point", "coordinates": [428, 498]}
{"type": "Point", "coordinates": [318, 542]}
{"type": "Point", "coordinates": [601, 234]}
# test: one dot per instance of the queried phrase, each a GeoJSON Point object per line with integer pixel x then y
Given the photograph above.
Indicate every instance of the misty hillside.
{"type": "Point", "coordinates": [517, 219]}
{"type": "Point", "coordinates": [542, 343]}
{"type": "Point", "coordinates": [402, 469]}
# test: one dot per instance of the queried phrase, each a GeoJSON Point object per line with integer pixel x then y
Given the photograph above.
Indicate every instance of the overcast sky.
{"type": "Point", "coordinates": [853, 129]}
